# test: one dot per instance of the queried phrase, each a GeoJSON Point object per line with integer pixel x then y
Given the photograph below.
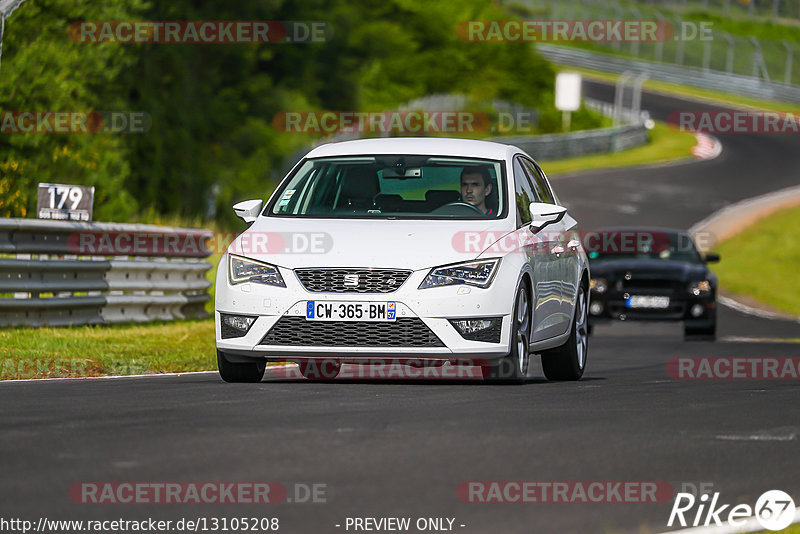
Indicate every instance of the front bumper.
{"type": "Point", "coordinates": [422, 329]}
{"type": "Point", "coordinates": [612, 306]}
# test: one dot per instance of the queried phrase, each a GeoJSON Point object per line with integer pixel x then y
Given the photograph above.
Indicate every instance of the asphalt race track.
{"type": "Point", "coordinates": [400, 448]}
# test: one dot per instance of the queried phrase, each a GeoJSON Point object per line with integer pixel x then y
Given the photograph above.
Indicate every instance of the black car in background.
{"type": "Point", "coordinates": [651, 274]}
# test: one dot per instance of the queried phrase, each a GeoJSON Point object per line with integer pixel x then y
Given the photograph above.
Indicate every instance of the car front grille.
{"type": "Point", "coordinates": [404, 332]}
{"type": "Point", "coordinates": [650, 286]}
{"type": "Point", "coordinates": [352, 280]}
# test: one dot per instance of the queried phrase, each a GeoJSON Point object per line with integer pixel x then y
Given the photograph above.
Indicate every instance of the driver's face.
{"type": "Point", "coordinates": [474, 191]}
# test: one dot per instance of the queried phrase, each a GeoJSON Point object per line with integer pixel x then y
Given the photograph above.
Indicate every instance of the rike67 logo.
{"type": "Point", "coordinates": [774, 510]}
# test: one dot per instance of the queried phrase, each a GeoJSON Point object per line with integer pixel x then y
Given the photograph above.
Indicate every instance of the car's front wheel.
{"type": "Point", "coordinates": [240, 372]}
{"type": "Point", "coordinates": [568, 361]}
{"type": "Point", "coordinates": [514, 367]}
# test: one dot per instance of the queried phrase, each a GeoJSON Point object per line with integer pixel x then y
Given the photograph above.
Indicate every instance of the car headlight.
{"type": "Point", "coordinates": [703, 287]}
{"type": "Point", "coordinates": [598, 285]}
{"type": "Point", "coordinates": [245, 270]}
{"type": "Point", "coordinates": [473, 273]}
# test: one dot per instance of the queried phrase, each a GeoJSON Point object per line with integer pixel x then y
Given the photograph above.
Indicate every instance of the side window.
{"type": "Point", "coordinates": [540, 184]}
{"type": "Point", "coordinates": [523, 192]}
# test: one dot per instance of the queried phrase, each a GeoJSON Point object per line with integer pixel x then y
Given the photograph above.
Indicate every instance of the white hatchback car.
{"type": "Point", "coordinates": [417, 250]}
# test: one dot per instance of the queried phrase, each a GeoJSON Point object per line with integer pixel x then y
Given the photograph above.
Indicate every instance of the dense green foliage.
{"type": "Point", "coordinates": [212, 141]}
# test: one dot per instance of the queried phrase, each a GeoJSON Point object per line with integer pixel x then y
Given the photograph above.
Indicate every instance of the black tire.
{"type": "Point", "coordinates": [513, 368]}
{"type": "Point", "coordinates": [324, 369]}
{"type": "Point", "coordinates": [240, 372]}
{"type": "Point", "coordinates": [707, 333]}
{"type": "Point", "coordinates": [568, 361]}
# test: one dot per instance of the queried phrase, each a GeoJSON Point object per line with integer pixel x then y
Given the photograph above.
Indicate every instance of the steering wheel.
{"type": "Point", "coordinates": [444, 210]}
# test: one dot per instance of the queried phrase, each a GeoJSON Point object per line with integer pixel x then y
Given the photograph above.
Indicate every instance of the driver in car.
{"type": "Point", "coordinates": [475, 187]}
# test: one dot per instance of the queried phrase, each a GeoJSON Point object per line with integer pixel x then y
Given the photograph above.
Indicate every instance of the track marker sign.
{"type": "Point", "coordinates": [62, 202]}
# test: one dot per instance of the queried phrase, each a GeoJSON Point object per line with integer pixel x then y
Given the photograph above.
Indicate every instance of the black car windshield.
{"type": "Point", "coordinates": [640, 244]}
{"type": "Point", "coordinates": [393, 186]}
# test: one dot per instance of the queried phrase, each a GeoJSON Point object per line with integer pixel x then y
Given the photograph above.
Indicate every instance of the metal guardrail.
{"type": "Point", "coordinates": [66, 273]}
{"type": "Point", "coordinates": [573, 144]}
{"type": "Point", "coordinates": [692, 76]}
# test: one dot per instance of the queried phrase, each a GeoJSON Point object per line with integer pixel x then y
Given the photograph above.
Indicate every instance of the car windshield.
{"type": "Point", "coordinates": [393, 186]}
{"type": "Point", "coordinates": [642, 245]}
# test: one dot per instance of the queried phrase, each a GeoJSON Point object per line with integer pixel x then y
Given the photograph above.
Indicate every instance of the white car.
{"type": "Point", "coordinates": [417, 250]}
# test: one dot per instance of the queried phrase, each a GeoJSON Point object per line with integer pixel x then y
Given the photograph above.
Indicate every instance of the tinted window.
{"type": "Point", "coordinates": [392, 186]}
{"type": "Point", "coordinates": [539, 183]}
{"type": "Point", "coordinates": [524, 192]}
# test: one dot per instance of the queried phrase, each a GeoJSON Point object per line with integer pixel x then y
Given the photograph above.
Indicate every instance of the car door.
{"type": "Point", "coordinates": [569, 242]}
{"type": "Point", "coordinates": [537, 248]}
{"type": "Point", "coordinates": [562, 248]}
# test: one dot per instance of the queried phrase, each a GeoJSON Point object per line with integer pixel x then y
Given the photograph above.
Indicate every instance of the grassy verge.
{"type": "Point", "coordinates": [107, 350]}
{"type": "Point", "coordinates": [743, 269]}
{"type": "Point", "coordinates": [715, 97]}
{"type": "Point", "coordinates": [665, 145]}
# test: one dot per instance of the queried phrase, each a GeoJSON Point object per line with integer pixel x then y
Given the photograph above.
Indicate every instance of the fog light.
{"type": "Point", "coordinates": [598, 284]}
{"type": "Point", "coordinates": [595, 308]}
{"type": "Point", "coordinates": [470, 326]}
{"type": "Point", "coordinates": [235, 325]}
{"type": "Point", "coordinates": [697, 310]}
{"type": "Point", "coordinates": [487, 329]}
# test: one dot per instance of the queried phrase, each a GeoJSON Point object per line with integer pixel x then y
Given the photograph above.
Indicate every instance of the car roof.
{"type": "Point", "coordinates": [417, 145]}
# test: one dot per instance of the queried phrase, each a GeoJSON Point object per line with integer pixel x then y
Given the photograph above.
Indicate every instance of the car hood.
{"type": "Point", "coordinates": [663, 269]}
{"type": "Point", "coordinates": [406, 244]}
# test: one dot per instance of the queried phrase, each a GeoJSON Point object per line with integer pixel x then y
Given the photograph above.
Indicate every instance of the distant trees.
{"type": "Point", "coordinates": [212, 142]}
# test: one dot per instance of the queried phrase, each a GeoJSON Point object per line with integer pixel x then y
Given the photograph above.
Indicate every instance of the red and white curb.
{"type": "Point", "coordinates": [707, 147]}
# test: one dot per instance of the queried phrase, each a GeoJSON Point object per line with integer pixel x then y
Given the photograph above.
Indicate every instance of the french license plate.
{"type": "Point", "coordinates": [645, 301]}
{"type": "Point", "coordinates": [326, 310]}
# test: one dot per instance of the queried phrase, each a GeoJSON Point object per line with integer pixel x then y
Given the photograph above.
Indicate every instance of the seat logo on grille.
{"type": "Point", "coordinates": [351, 280]}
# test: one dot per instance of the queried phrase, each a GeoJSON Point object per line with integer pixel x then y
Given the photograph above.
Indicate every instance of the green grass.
{"type": "Point", "coordinates": [665, 145]}
{"type": "Point", "coordinates": [761, 262]}
{"type": "Point", "coordinates": [107, 350]}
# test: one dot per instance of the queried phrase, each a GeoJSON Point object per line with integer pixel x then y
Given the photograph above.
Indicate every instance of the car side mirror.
{"type": "Point", "coordinates": [248, 210]}
{"type": "Point", "coordinates": [543, 214]}
{"type": "Point", "coordinates": [711, 257]}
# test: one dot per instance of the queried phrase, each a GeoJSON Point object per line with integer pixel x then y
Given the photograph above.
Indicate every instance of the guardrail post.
{"type": "Point", "coordinates": [729, 56]}
{"type": "Point", "coordinates": [775, 6]}
{"type": "Point", "coordinates": [679, 51]}
{"type": "Point", "coordinates": [659, 48]}
{"type": "Point", "coordinates": [758, 60]}
{"type": "Point", "coordinates": [618, 14]}
{"type": "Point", "coordinates": [706, 55]}
{"type": "Point", "coordinates": [636, 105]}
{"type": "Point", "coordinates": [787, 73]}
{"type": "Point", "coordinates": [637, 15]}
{"type": "Point", "coordinates": [619, 96]}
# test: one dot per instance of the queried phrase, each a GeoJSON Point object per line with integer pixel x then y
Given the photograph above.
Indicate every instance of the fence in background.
{"type": "Point", "coordinates": [573, 144]}
{"type": "Point", "coordinates": [692, 47]}
{"type": "Point", "coordinates": [66, 273]}
{"type": "Point", "coordinates": [718, 81]}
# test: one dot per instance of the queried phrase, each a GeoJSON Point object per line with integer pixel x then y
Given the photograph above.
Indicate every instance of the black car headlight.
{"type": "Point", "coordinates": [699, 288]}
{"type": "Point", "coordinates": [598, 285]}
{"type": "Point", "coordinates": [246, 270]}
{"type": "Point", "coordinates": [472, 273]}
